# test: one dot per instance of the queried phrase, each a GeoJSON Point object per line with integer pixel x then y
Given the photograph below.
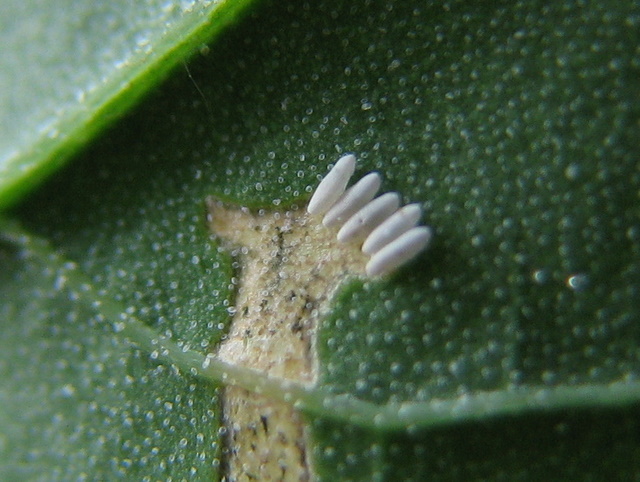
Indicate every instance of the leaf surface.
{"type": "Point", "coordinates": [68, 69]}
{"type": "Point", "coordinates": [512, 123]}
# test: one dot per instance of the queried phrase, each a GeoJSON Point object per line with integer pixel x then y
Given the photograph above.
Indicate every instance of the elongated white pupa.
{"type": "Point", "coordinates": [332, 186]}
{"type": "Point", "coordinates": [354, 199]}
{"type": "Point", "coordinates": [393, 227]}
{"type": "Point", "coordinates": [370, 216]}
{"type": "Point", "coordinates": [399, 251]}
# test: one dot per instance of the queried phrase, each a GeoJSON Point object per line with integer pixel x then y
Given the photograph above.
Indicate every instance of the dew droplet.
{"type": "Point", "coordinates": [578, 281]}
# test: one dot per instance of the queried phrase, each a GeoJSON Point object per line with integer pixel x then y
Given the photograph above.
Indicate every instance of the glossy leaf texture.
{"type": "Point", "coordinates": [513, 123]}
{"type": "Point", "coordinates": [70, 68]}
{"type": "Point", "coordinates": [78, 400]}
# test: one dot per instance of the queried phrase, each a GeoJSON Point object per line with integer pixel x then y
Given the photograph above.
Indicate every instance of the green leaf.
{"type": "Point", "coordinates": [77, 398]}
{"type": "Point", "coordinates": [508, 349]}
{"type": "Point", "coordinates": [70, 68]}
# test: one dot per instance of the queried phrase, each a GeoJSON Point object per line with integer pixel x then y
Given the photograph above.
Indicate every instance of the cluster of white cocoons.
{"type": "Point", "coordinates": [389, 234]}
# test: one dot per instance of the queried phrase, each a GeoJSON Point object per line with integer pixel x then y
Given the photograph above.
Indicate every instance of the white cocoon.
{"type": "Point", "coordinates": [332, 186]}
{"type": "Point", "coordinates": [399, 251]}
{"type": "Point", "coordinates": [353, 199]}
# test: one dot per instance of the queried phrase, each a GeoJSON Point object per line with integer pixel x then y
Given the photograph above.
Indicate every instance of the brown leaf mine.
{"type": "Point", "coordinates": [289, 267]}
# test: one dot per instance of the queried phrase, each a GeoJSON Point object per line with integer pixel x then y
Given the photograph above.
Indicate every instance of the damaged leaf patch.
{"type": "Point", "coordinates": [289, 265]}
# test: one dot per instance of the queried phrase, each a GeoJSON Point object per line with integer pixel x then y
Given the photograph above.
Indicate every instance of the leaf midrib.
{"type": "Point", "coordinates": [318, 401]}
